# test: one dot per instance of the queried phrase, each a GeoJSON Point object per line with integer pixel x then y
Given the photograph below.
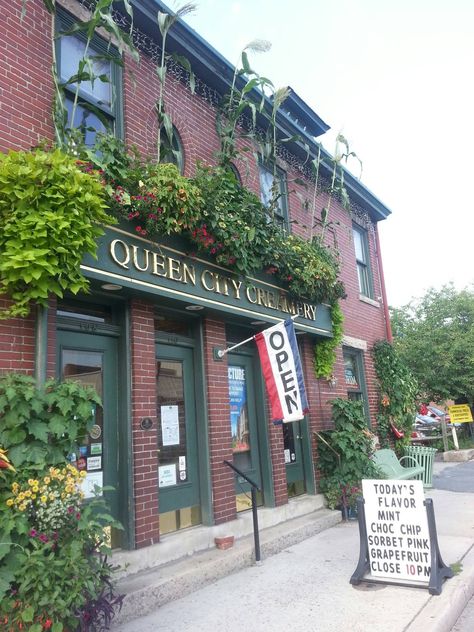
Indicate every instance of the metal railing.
{"type": "Point", "coordinates": [254, 488]}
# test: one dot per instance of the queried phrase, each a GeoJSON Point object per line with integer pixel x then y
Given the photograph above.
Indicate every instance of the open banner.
{"type": "Point", "coordinates": [281, 367]}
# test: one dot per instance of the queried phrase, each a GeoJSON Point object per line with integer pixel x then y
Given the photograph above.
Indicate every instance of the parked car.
{"type": "Point", "coordinates": [426, 425]}
{"type": "Point", "coordinates": [437, 413]}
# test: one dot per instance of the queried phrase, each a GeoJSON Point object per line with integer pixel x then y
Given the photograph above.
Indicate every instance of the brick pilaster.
{"type": "Point", "coordinates": [220, 435]}
{"type": "Point", "coordinates": [145, 444]}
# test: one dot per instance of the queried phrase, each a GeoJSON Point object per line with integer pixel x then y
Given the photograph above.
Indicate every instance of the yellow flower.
{"type": "Point", "coordinates": [15, 487]}
{"type": "Point", "coordinates": [43, 498]}
{"type": "Point", "coordinates": [47, 480]}
{"type": "Point", "coordinates": [10, 502]}
{"type": "Point", "coordinates": [31, 481]}
{"type": "Point", "coordinates": [83, 474]}
{"type": "Point", "coordinates": [52, 496]}
{"type": "Point", "coordinates": [33, 496]}
{"type": "Point", "coordinates": [35, 489]}
{"type": "Point", "coordinates": [22, 507]}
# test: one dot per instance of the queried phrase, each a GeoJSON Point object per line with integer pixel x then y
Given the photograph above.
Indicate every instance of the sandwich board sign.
{"type": "Point", "coordinates": [398, 536]}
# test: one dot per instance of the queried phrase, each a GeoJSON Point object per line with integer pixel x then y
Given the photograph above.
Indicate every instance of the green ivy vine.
{"type": "Point", "coordinates": [51, 214]}
{"type": "Point", "coordinates": [398, 392]}
{"type": "Point", "coordinates": [325, 351]}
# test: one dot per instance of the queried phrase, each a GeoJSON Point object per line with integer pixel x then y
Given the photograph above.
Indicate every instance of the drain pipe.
{"type": "Point", "coordinates": [41, 344]}
{"type": "Point", "coordinates": [388, 328]}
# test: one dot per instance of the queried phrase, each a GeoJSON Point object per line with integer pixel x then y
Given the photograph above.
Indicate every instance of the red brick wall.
{"type": "Point", "coordinates": [220, 437]}
{"type": "Point", "coordinates": [26, 88]}
{"type": "Point", "coordinates": [145, 445]}
{"type": "Point", "coordinates": [17, 343]}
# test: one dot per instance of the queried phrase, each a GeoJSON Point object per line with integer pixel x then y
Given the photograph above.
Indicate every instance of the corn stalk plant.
{"type": "Point", "coordinates": [239, 101]}
{"type": "Point", "coordinates": [165, 22]}
{"type": "Point", "coordinates": [336, 187]}
{"type": "Point", "coordinates": [101, 17]}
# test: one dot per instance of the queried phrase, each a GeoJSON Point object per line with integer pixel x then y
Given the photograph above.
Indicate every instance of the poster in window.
{"type": "Point", "coordinates": [238, 409]}
{"type": "Point", "coordinates": [170, 425]}
{"type": "Point", "coordinates": [350, 372]}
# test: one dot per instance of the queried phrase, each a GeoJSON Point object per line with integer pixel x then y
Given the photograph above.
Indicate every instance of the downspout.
{"type": "Point", "coordinates": [41, 344]}
{"type": "Point", "coordinates": [388, 327]}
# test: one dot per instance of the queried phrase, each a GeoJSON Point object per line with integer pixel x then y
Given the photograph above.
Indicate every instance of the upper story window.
{"type": "Point", "coordinates": [354, 377]}
{"type": "Point", "coordinates": [361, 245]}
{"type": "Point", "coordinates": [173, 151]}
{"type": "Point", "coordinates": [266, 193]}
{"type": "Point", "coordinates": [99, 102]}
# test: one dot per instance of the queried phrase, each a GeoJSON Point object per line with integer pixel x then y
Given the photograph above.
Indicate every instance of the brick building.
{"type": "Point", "coordinates": [147, 337]}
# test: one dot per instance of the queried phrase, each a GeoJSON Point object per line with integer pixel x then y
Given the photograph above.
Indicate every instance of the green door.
{"type": "Point", "coordinates": [178, 472]}
{"type": "Point", "coordinates": [92, 359]}
{"type": "Point", "coordinates": [292, 442]}
{"type": "Point", "coordinates": [243, 421]}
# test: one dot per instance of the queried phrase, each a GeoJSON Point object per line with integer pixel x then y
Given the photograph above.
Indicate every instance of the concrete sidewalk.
{"type": "Point", "coordinates": [306, 588]}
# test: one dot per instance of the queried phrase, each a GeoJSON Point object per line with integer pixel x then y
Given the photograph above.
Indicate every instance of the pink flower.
{"type": "Point", "coordinates": [33, 533]}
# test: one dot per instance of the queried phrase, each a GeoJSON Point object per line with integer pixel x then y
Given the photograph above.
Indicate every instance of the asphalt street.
{"type": "Point", "coordinates": [459, 477]}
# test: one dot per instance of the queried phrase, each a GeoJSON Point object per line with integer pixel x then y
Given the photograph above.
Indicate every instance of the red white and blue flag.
{"type": "Point", "coordinates": [281, 368]}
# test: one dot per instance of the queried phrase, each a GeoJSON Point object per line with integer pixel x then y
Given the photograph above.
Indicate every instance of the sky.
{"type": "Point", "coordinates": [396, 78]}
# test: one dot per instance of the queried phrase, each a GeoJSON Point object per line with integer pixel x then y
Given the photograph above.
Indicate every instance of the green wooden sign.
{"type": "Point", "coordinates": [166, 269]}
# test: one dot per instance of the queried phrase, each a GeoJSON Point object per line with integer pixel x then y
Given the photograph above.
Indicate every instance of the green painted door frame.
{"type": "Point", "coordinates": [100, 351]}
{"type": "Point", "coordinates": [261, 459]}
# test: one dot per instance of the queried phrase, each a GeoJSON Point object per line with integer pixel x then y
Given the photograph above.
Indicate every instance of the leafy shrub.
{"type": "Point", "coordinates": [233, 227]}
{"type": "Point", "coordinates": [344, 460]}
{"type": "Point", "coordinates": [50, 213]}
{"type": "Point", "coordinates": [41, 427]}
{"type": "Point", "coordinates": [53, 545]}
{"type": "Point", "coordinates": [309, 269]}
{"type": "Point", "coordinates": [53, 565]}
{"type": "Point", "coordinates": [398, 392]}
{"type": "Point", "coordinates": [163, 203]}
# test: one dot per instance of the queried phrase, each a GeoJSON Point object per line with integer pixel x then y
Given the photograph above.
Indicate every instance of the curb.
{"type": "Point", "coordinates": [440, 614]}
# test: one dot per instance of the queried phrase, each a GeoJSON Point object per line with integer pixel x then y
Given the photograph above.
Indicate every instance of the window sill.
{"type": "Point", "coordinates": [370, 301]}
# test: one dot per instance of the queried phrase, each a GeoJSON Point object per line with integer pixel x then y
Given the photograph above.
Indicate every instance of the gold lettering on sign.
{"type": "Point", "coordinates": [118, 244]}
{"type": "Point", "coordinates": [159, 265]}
{"type": "Point", "coordinates": [189, 274]}
{"type": "Point", "coordinates": [252, 298]}
{"type": "Point", "coordinates": [146, 259]}
{"type": "Point", "coordinates": [261, 297]}
{"type": "Point", "coordinates": [236, 288]}
{"type": "Point", "coordinates": [174, 269]}
{"type": "Point", "coordinates": [204, 275]}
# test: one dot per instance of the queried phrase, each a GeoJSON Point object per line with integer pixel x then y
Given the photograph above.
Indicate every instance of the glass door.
{"type": "Point", "coordinates": [292, 440]}
{"type": "Point", "coordinates": [92, 360]}
{"type": "Point", "coordinates": [178, 473]}
{"type": "Point", "coordinates": [243, 422]}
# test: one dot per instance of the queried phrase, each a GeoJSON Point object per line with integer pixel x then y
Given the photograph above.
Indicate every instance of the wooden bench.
{"type": "Point", "coordinates": [387, 461]}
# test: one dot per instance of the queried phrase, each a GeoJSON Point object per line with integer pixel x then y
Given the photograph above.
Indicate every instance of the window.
{"type": "Point", "coordinates": [266, 193]}
{"type": "Point", "coordinates": [354, 377]}
{"type": "Point", "coordinates": [361, 245]}
{"type": "Point", "coordinates": [99, 102]}
{"type": "Point", "coordinates": [172, 152]}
